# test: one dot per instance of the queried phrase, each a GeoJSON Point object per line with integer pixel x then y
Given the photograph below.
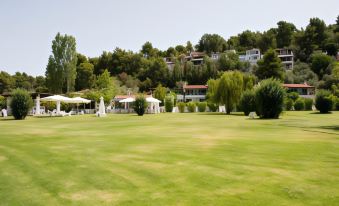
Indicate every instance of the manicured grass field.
{"type": "Point", "coordinates": [170, 159]}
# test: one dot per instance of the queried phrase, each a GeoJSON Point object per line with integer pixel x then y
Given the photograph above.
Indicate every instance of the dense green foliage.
{"type": "Point", "coordinates": [270, 66]}
{"type": "Point", "coordinates": [61, 68]}
{"type": "Point", "coordinates": [21, 103]}
{"type": "Point", "coordinates": [212, 106]}
{"type": "Point", "coordinates": [288, 104]}
{"type": "Point", "coordinates": [269, 98]}
{"type": "Point", "coordinates": [202, 106]}
{"type": "Point", "coordinates": [181, 106]}
{"type": "Point", "coordinates": [299, 104]}
{"type": "Point", "coordinates": [308, 104]}
{"type": "Point", "coordinates": [3, 102]}
{"type": "Point", "coordinates": [247, 102]}
{"type": "Point", "coordinates": [323, 101]}
{"type": "Point", "coordinates": [230, 88]}
{"type": "Point", "coordinates": [191, 106]}
{"type": "Point", "coordinates": [169, 103]}
{"type": "Point", "coordinates": [140, 105]}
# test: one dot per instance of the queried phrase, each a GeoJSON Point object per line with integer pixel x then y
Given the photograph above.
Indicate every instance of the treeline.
{"type": "Point", "coordinates": [314, 48]}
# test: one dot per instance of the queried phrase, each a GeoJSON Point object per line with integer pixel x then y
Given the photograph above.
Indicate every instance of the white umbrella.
{"type": "Point", "coordinates": [102, 111]}
{"type": "Point", "coordinates": [57, 99]}
{"type": "Point", "coordinates": [127, 100]}
{"type": "Point", "coordinates": [79, 100]}
{"type": "Point", "coordinates": [152, 100]}
{"type": "Point", "coordinates": [37, 105]}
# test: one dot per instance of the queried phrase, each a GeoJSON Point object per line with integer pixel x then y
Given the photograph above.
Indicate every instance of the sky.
{"type": "Point", "coordinates": [27, 28]}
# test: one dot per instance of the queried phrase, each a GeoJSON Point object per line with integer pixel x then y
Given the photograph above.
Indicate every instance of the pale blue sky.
{"type": "Point", "coordinates": [28, 27]}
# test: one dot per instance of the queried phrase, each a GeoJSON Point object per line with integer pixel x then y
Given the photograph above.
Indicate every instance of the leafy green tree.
{"type": "Point", "coordinates": [160, 92]}
{"type": "Point", "coordinates": [189, 46]}
{"type": "Point", "coordinates": [140, 105]}
{"type": "Point", "coordinates": [21, 103]}
{"type": "Point", "coordinates": [247, 40]}
{"type": "Point", "coordinates": [104, 62]}
{"type": "Point", "coordinates": [2, 102]}
{"type": "Point", "coordinates": [85, 76]}
{"type": "Point", "coordinates": [284, 34]}
{"type": "Point", "coordinates": [323, 101]}
{"type": "Point", "coordinates": [104, 80]}
{"type": "Point", "coordinates": [147, 50]}
{"type": "Point", "coordinates": [300, 74]}
{"type": "Point", "coordinates": [270, 66]}
{"type": "Point", "coordinates": [62, 63]}
{"type": "Point", "coordinates": [299, 104]}
{"type": "Point", "coordinates": [191, 106]}
{"type": "Point", "coordinates": [202, 106]}
{"type": "Point", "coordinates": [181, 49]}
{"type": "Point", "coordinates": [267, 40]}
{"type": "Point", "coordinates": [211, 43]}
{"type": "Point", "coordinates": [40, 84]}
{"type": "Point", "coordinates": [319, 63]}
{"type": "Point", "coordinates": [247, 102]}
{"type": "Point", "coordinates": [181, 107]}
{"type": "Point", "coordinates": [6, 82]}
{"type": "Point", "coordinates": [212, 90]}
{"type": "Point", "coordinates": [169, 103]}
{"type": "Point", "coordinates": [81, 59]}
{"type": "Point", "coordinates": [54, 76]}
{"type": "Point", "coordinates": [269, 97]}
{"type": "Point", "coordinates": [229, 90]}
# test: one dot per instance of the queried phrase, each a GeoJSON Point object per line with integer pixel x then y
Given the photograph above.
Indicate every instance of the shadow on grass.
{"type": "Point", "coordinates": [334, 127]}
{"type": "Point", "coordinates": [220, 113]}
{"type": "Point", "coordinates": [320, 113]}
{"type": "Point", "coordinates": [6, 119]}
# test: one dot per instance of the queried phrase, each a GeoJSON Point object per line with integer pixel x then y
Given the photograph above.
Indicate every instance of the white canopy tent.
{"type": "Point", "coordinates": [153, 106]}
{"type": "Point", "coordinates": [79, 100]}
{"type": "Point", "coordinates": [127, 101]}
{"type": "Point", "coordinates": [58, 99]}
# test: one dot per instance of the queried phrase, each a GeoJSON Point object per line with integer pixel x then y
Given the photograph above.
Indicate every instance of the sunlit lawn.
{"type": "Point", "coordinates": [170, 159]}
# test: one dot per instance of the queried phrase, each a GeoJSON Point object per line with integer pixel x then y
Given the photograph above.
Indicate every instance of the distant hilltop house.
{"type": "Point", "coordinates": [304, 90]}
{"type": "Point", "coordinates": [252, 56]}
{"type": "Point", "coordinates": [287, 58]}
{"type": "Point", "coordinates": [197, 58]}
{"type": "Point", "coordinates": [195, 93]}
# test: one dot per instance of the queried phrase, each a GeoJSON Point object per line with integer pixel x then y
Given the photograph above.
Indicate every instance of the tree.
{"type": "Point", "coordinates": [300, 74]}
{"type": "Point", "coordinates": [189, 46]}
{"type": "Point", "coordinates": [319, 63]}
{"type": "Point", "coordinates": [147, 50]}
{"type": "Point", "coordinates": [2, 102]}
{"type": "Point", "coordinates": [21, 103]}
{"type": "Point", "coordinates": [169, 103]}
{"type": "Point", "coordinates": [140, 105]}
{"type": "Point", "coordinates": [247, 102]}
{"type": "Point", "coordinates": [229, 90]}
{"type": "Point", "coordinates": [323, 101]}
{"type": "Point", "coordinates": [270, 66]}
{"type": "Point", "coordinates": [267, 40]}
{"type": "Point", "coordinates": [6, 82]}
{"type": "Point", "coordinates": [85, 77]}
{"type": "Point", "coordinates": [104, 80]}
{"type": "Point", "coordinates": [160, 92]}
{"type": "Point", "coordinates": [284, 34]}
{"type": "Point", "coordinates": [54, 76]}
{"type": "Point", "coordinates": [316, 30]}
{"type": "Point", "coordinates": [211, 43]}
{"type": "Point", "coordinates": [62, 63]}
{"type": "Point", "coordinates": [247, 40]}
{"type": "Point", "coordinates": [211, 95]}
{"type": "Point", "coordinates": [269, 97]}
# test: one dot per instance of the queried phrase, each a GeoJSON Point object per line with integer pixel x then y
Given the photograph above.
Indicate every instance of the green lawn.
{"type": "Point", "coordinates": [170, 159]}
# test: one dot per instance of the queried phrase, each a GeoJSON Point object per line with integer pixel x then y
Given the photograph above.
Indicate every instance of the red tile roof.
{"type": "Point", "coordinates": [297, 86]}
{"type": "Point", "coordinates": [195, 87]}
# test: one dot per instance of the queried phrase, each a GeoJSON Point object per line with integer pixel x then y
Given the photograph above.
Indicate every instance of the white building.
{"type": "Point", "coordinates": [287, 58]}
{"type": "Point", "coordinates": [252, 56]}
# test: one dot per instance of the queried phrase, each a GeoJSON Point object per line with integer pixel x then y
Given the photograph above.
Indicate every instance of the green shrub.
{"type": "Point", "coordinates": [202, 106]}
{"type": "Point", "coordinates": [308, 104]}
{"type": "Point", "coordinates": [49, 105]}
{"type": "Point", "coordinates": [269, 97]}
{"type": "Point", "coordinates": [191, 107]}
{"type": "Point", "coordinates": [65, 107]}
{"type": "Point", "coordinates": [299, 104]}
{"type": "Point", "coordinates": [337, 104]}
{"type": "Point", "coordinates": [169, 103]}
{"type": "Point", "coordinates": [2, 102]}
{"type": "Point", "coordinates": [323, 101]}
{"type": "Point", "coordinates": [181, 107]}
{"type": "Point", "coordinates": [293, 95]}
{"type": "Point", "coordinates": [21, 103]}
{"type": "Point", "coordinates": [288, 104]}
{"type": "Point", "coordinates": [140, 105]}
{"type": "Point", "coordinates": [213, 107]}
{"type": "Point", "coordinates": [247, 102]}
